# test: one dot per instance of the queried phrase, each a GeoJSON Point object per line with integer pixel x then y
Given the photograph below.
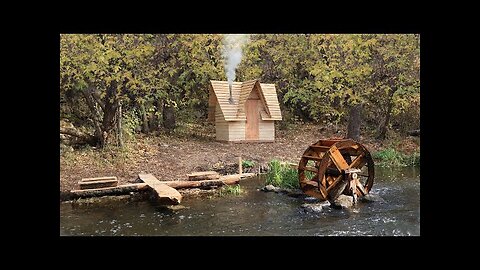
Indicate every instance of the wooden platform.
{"type": "Point", "coordinates": [166, 194]}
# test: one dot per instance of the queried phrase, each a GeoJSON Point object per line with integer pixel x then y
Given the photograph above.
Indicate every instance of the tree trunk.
{"type": "Point", "coordinates": [110, 111]}
{"type": "Point", "coordinates": [119, 125]}
{"type": "Point", "coordinates": [354, 122]}
{"type": "Point", "coordinates": [143, 115]}
{"type": "Point", "coordinates": [415, 132]}
{"type": "Point", "coordinates": [95, 117]}
{"type": "Point", "coordinates": [382, 128]}
{"type": "Point", "coordinates": [168, 117]}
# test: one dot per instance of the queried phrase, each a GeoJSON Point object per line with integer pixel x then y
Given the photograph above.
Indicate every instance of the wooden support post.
{"type": "Point", "coordinates": [240, 171]}
{"type": "Point", "coordinates": [353, 186]}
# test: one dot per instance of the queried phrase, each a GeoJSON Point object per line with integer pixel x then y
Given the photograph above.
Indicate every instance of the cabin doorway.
{"type": "Point", "coordinates": [253, 116]}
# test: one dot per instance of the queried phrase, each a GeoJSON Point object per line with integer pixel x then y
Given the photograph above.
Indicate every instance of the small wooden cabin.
{"type": "Point", "coordinates": [251, 115]}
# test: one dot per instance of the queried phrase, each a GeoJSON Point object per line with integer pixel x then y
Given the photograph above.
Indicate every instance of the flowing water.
{"type": "Point", "coordinates": [256, 213]}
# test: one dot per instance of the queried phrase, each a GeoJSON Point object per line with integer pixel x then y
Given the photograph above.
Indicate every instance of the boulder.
{"type": "Point", "coordinates": [315, 207]}
{"type": "Point", "coordinates": [271, 188]}
{"type": "Point", "coordinates": [312, 208]}
{"type": "Point", "coordinates": [342, 202]}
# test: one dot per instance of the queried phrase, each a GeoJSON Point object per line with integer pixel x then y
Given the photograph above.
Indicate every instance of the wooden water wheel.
{"type": "Point", "coordinates": [332, 167]}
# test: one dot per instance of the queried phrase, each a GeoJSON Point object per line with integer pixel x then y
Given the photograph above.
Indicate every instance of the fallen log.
{"type": "Point", "coordinates": [224, 180]}
{"type": "Point", "coordinates": [415, 132]}
{"type": "Point", "coordinates": [118, 190]}
{"type": "Point", "coordinates": [82, 137]}
{"type": "Point", "coordinates": [193, 184]}
{"type": "Point", "coordinates": [140, 187]}
{"type": "Point", "coordinates": [198, 176]}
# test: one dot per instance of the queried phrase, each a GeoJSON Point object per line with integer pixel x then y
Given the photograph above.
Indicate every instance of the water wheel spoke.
{"type": "Point", "coordinates": [323, 191]}
{"type": "Point", "coordinates": [360, 187]}
{"type": "Point", "coordinates": [310, 183]}
{"type": "Point", "coordinates": [330, 180]}
{"type": "Point", "coordinates": [338, 159]}
{"type": "Point", "coordinates": [358, 162]}
{"type": "Point", "coordinates": [337, 180]}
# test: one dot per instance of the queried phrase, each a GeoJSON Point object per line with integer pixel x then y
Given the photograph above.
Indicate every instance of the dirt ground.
{"type": "Point", "coordinates": [172, 157]}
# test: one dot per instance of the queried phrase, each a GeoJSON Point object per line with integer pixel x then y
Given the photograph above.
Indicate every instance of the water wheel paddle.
{"type": "Point", "coordinates": [329, 168]}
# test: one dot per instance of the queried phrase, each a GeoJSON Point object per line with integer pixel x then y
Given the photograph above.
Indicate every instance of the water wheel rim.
{"type": "Point", "coordinates": [318, 185]}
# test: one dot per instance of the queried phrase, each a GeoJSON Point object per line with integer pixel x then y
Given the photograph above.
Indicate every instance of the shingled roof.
{"type": "Point", "coordinates": [240, 93]}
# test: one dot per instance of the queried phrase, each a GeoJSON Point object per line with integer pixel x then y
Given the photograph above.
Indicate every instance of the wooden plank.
{"type": "Point", "coordinates": [98, 184]}
{"type": "Point", "coordinates": [338, 159]}
{"type": "Point", "coordinates": [312, 157]}
{"type": "Point", "coordinates": [310, 169]}
{"type": "Point", "coordinates": [320, 148]}
{"type": "Point", "coordinates": [311, 183]}
{"type": "Point", "coordinates": [353, 185]}
{"type": "Point", "coordinates": [330, 180]}
{"type": "Point", "coordinates": [165, 193]}
{"type": "Point", "coordinates": [251, 125]}
{"type": "Point", "coordinates": [99, 178]}
{"type": "Point", "coordinates": [323, 191]}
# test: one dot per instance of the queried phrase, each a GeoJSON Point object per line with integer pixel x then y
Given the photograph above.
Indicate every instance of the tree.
{"type": "Point", "coordinates": [102, 68]}
{"type": "Point", "coordinates": [341, 74]}
{"type": "Point", "coordinates": [396, 75]}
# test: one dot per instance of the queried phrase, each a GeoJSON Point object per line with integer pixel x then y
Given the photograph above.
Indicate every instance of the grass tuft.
{"type": "Point", "coordinates": [281, 175]}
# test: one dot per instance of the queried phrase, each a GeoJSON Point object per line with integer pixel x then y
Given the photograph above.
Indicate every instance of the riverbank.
{"type": "Point", "coordinates": [195, 149]}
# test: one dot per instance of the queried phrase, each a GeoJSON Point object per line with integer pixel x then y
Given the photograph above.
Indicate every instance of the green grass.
{"type": "Point", "coordinates": [248, 163]}
{"type": "Point", "coordinates": [392, 158]}
{"type": "Point", "coordinates": [231, 190]}
{"type": "Point", "coordinates": [281, 175]}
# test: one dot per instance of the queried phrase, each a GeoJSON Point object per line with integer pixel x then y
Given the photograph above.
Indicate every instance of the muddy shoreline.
{"type": "Point", "coordinates": [171, 158]}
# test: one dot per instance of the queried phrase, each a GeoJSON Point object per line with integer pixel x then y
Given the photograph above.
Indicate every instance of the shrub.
{"type": "Point", "coordinates": [281, 175]}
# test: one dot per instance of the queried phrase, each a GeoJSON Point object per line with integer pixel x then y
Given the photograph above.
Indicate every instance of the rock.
{"type": "Point", "coordinates": [270, 188]}
{"type": "Point", "coordinates": [312, 208]}
{"type": "Point", "coordinates": [342, 202]}
{"type": "Point", "coordinates": [315, 207]}
{"type": "Point", "coordinates": [371, 198]}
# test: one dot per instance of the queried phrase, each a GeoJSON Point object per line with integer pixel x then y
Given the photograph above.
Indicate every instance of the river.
{"type": "Point", "coordinates": [256, 213]}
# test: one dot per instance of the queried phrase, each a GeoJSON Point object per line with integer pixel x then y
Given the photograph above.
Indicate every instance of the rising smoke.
{"type": "Point", "coordinates": [232, 53]}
